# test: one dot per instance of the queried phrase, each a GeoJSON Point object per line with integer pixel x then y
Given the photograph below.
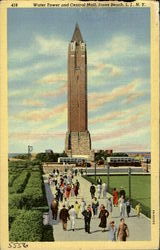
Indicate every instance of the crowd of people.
{"type": "Point", "coordinates": [67, 186]}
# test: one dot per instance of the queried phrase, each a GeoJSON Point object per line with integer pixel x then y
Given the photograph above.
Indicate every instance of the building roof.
{"type": "Point", "coordinates": [77, 34]}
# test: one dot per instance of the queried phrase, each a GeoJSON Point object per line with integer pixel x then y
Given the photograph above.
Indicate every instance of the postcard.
{"type": "Point", "coordinates": [79, 124]}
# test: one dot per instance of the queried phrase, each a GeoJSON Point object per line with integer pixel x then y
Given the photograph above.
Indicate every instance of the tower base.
{"type": "Point", "coordinates": [78, 144]}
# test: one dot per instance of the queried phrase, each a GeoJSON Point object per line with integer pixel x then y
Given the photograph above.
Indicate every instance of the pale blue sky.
{"type": "Point", "coordinates": [118, 51]}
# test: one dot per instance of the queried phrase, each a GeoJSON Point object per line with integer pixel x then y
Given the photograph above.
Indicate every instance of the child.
{"type": "Point", "coordinates": [77, 208]}
{"type": "Point", "coordinates": [138, 209]}
{"type": "Point", "coordinates": [112, 231]}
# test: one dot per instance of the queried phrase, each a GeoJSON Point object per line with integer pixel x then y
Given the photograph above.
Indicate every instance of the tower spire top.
{"type": "Point", "coordinates": [77, 34]}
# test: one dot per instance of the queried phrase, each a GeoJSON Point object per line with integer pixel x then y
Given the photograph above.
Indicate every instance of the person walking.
{"type": "Point", "coordinates": [104, 190]}
{"type": "Point", "coordinates": [58, 192]}
{"type": "Point", "coordinates": [76, 188]}
{"type": "Point", "coordinates": [109, 206]}
{"type": "Point", "coordinates": [62, 181]}
{"type": "Point", "coordinates": [128, 207]}
{"type": "Point", "coordinates": [103, 215]}
{"type": "Point", "coordinates": [138, 209]}
{"type": "Point", "coordinates": [123, 231]}
{"type": "Point", "coordinates": [122, 192]}
{"type": "Point", "coordinates": [72, 190]}
{"type": "Point", "coordinates": [95, 205]}
{"type": "Point", "coordinates": [77, 208]}
{"type": "Point", "coordinates": [83, 204]}
{"type": "Point", "coordinates": [78, 184]}
{"type": "Point", "coordinates": [87, 218]}
{"type": "Point", "coordinates": [66, 203]}
{"type": "Point", "coordinates": [75, 171]}
{"type": "Point", "coordinates": [61, 192]}
{"type": "Point", "coordinates": [92, 190]}
{"type": "Point", "coordinates": [55, 181]}
{"type": "Point", "coordinates": [112, 231]}
{"type": "Point", "coordinates": [54, 208]}
{"type": "Point", "coordinates": [68, 190]}
{"type": "Point", "coordinates": [81, 171]}
{"type": "Point", "coordinates": [99, 181]}
{"type": "Point", "coordinates": [99, 191]}
{"type": "Point", "coordinates": [115, 197]}
{"type": "Point", "coordinates": [64, 216]}
{"type": "Point", "coordinates": [122, 206]}
{"type": "Point", "coordinates": [72, 215]}
{"type": "Point", "coordinates": [56, 174]}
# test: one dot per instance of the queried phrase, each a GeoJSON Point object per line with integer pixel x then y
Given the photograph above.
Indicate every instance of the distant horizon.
{"type": "Point", "coordinates": [98, 149]}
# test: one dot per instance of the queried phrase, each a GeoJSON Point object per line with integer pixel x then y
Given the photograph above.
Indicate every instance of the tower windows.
{"type": "Point", "coordinates": [83, 46]}
{"type": "Point", "coordinates": [73, 46]}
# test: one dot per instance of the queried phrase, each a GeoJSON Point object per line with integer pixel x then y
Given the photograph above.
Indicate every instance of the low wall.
{"type": "Point", "coordinates": [49, 167]}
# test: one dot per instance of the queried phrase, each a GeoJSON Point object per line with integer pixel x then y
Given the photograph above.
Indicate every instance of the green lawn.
{"type": "Point", "coordinates": [140, 188]}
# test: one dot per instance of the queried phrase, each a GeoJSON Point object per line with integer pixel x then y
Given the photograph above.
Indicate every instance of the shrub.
{"type": "Point", "coordinates": [21, 181]}
{"type": "Point", "coordinates": [47, 233]}
{"type": "Point", "coordinates": [44, 209]}
{"type": "Point", "coordinates": [16, 201]}
{"type": "Point", "coordinates": [28, 226]}
{"type": "Point", "coordinates": [33, 195]}
{"type": "Point", "coordinates": [12, 177]}
{"type": "Point", "coordinates": [36, 162]}
{"type": "Point", "coordinates": [13, 213]}
{"type": "Point", "coordinates": [33, 198]}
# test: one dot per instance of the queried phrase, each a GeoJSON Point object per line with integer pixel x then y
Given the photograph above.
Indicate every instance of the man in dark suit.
{"type": "Point", "coordinates": [87, 218]}
{"type": "Point", "coordinates": [64, 216]}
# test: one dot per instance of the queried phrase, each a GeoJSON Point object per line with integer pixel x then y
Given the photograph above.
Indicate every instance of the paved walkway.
{"type": "Point", "coordinates": [139, 228]}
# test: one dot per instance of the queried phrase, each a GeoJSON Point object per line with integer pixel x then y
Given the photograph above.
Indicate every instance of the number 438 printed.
{"type": "Point", "coordinates": [14, 5]}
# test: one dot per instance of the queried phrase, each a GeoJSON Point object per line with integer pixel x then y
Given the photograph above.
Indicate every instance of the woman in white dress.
{"type": "Point", "coordinates": [121, 202]}
{"type": "Point", "coordinates": [99, 191]}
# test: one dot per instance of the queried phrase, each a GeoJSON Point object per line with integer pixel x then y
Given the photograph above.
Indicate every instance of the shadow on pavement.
{"type": "Point", "coordinates": [96, 231]}
{"type": "Point", "coordinates": [77, 229]}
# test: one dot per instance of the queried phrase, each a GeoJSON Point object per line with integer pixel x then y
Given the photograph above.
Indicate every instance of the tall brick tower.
{"type": "Point", "coordinates": [78, 142]}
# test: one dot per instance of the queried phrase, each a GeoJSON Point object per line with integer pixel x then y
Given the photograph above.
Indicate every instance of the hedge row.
{"type": "Point", "coordinates": [47, 233]}
{"type": "Point", "coordinates": [33, 195]}
{"type": "Point", "coordinates": [12, 177]}
{"type": "Point", "coordinates": [16, 201]}
{"type": "Point", "coordinates": [13, 213]}
{"type": "Point", "coordinates": [15, 165]}
{"type": "Point", "coordinates": [33, 191]}
{"type": "Point", "coordinates": [20, 182]}
{"type": "Point", "coordinates": [28, 226]}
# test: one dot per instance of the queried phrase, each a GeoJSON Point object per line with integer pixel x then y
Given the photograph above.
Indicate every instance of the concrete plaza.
{"type": "Point", "coordinates": [139, 228]}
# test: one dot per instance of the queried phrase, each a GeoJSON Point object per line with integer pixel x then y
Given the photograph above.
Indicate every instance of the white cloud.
{"type": "Point", "coordinates": [98, 99]}
{"type": "Point", "coordinates": [52, 45]}
{"type": "Point", "coordinates": [41, 45]}
{"type": "Point", "coordinates": [53, 78]}
{"type": "Point", "coordinates": [104, 69]}
{"type": "Point", "coordinates": [18, 72]}
{"type": "Point", "coordinates": [120, 46]}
